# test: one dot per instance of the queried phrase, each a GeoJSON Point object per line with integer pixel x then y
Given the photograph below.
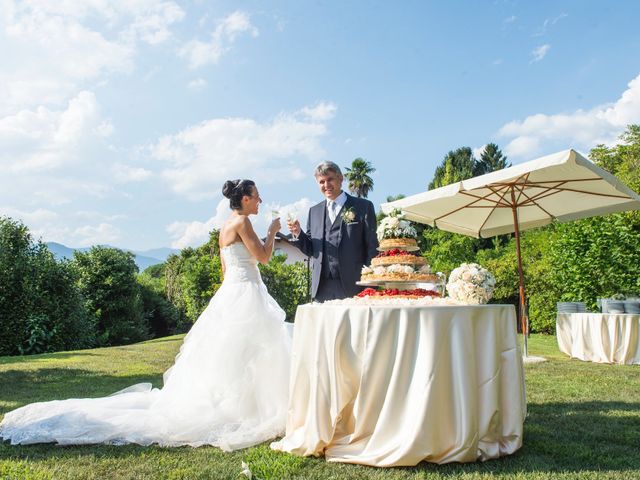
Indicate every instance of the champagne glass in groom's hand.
{"type": "Point", "coordinates": [293, 224]}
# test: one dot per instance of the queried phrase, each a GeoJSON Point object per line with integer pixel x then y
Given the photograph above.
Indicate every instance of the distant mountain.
{"type": "Point", "coordinates": [161, 253]}
{"type": "Point", "coordinates": [143, 259]}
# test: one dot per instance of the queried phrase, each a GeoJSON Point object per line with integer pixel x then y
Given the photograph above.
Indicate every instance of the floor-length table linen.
{"type": "Point", "coordinates": [600, 337]}
{"type": "Point", "coordinates": [393, 386]}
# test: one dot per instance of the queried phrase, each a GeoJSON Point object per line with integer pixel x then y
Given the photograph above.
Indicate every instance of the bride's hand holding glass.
{"type": "Point", "coordinates": [274, 227]}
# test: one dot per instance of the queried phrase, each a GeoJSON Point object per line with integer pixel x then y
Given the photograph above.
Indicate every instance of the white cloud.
{"type": "Point", "coordinates": [127, 174]}
{"type": "Point", "coordinates": [199, 53]}
{"type": "Point", "coordinates": [321, 112]}
{"type": "Point", "coordinates": [582, 129]}
{"type": "Point", "coordinates": [51, 49]}
{"type": "Point", "coordinates": [201, 157]}
{"type": "Point", "coordinates": [478, 151]}
{"type": "Point", "coordinates": [298, 210]}
{"type": "Point", "coordinates": [540, 52]}
{"type": "Point", "coordinates": [194, 234]}
{"type": "Point", "coordinates": [510, 19]}
{"type": "Point", "coordinates": [38, 216]}
{"type": "Point", "coordinates": [44, 139]}
{"type": "Point", "coordinates": [549, 22]}
{"type": "Point", "coordinates": [152, 24]}
{"type": "Point", "coordinates": [46, 225]}
{"type": "Point", "coordinates": [197, 84]}
{"type": "Point", "coordinates": [101, 234]}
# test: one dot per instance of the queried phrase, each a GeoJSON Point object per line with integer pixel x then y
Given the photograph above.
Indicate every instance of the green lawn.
{"type": "Point", "coordinates": [583, 422]}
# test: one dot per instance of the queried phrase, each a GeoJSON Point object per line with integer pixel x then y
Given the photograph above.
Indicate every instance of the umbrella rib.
{"type": "Point", "coordinates": [562, 189]}
{"type": "Point", "coordinates": [521, 187]}
{"type": "Point", "coordinates": [469, 205]}
{"type": "Point", "coordinates": [484, 197]}
{"type": "Point", "coordinates": [457, 209]}
{"type": "Point", "coordinates": [497, 192]}
{"type": "Point", "coordinates": [546, 192]}
{"type": "Point", "coordinates": [545, 181]}
{"type": "Point", "coordinates": [532, 201]}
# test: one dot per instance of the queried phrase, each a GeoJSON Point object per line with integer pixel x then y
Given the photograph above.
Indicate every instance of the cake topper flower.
{"type": "Point", "coordinates": [395, 226]}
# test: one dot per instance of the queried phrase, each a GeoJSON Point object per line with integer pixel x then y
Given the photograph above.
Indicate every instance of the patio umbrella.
{"type": "Point", "coordinates": [563, 186]}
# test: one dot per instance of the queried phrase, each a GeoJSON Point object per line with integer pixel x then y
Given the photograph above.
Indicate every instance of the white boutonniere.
{"type": "Point", "coordinates": [348, 215]}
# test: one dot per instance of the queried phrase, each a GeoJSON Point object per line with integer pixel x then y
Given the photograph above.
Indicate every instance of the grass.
{"type": "Point", "coordinates": [583, 423]}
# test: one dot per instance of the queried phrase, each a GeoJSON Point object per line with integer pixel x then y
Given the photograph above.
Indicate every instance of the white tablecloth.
{"type": "Point", "coordinates": [600, 337]}
{"type": "Point", "coordinates": [393, 386]}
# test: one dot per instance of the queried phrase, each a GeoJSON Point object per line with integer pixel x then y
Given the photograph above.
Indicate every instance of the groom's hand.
{"type": "Point", "coordinates": [294, 228]}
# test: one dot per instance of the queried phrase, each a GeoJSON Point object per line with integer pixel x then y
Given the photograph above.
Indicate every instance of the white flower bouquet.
{"type": "Point", "coordinates": [472, 284]}
{"type": "Point", "coordinates": [394, 226]}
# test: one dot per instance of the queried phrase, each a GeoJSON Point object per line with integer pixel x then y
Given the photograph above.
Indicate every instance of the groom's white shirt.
{"type": "Point", "coordinates": [340, 201]}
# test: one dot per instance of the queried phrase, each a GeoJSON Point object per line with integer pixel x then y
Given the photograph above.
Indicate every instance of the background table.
{"type": "Point", "coordinates": [600, 337]}
{"type": "Point", "coordinates": [391, 386]}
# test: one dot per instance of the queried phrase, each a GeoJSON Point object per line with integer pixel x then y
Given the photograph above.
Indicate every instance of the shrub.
{"type": "Point", "coordinates": [41, 308]}
{"type": "Point", "coordinates": [107, 281]}
{"type": "Point", "coordinates": [287, 284]}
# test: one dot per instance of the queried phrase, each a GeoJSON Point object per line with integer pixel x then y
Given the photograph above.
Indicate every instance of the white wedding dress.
{"type": "Point", "coordinates": [228, 386]}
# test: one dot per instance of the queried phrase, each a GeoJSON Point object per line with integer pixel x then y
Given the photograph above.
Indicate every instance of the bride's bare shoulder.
{"type": "Point", "coordinates": [230, 230]}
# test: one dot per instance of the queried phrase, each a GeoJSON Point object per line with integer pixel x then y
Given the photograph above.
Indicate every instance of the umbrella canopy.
{"type": "Point", "coordinates": [563, 186]}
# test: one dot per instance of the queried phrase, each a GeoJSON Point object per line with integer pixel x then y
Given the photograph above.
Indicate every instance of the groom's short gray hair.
{"type": "Point", "coordinates": [325, 167]}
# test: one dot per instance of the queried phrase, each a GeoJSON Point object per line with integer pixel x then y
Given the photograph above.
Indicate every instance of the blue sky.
{"type": "Point", "coordinates": [120, 120]}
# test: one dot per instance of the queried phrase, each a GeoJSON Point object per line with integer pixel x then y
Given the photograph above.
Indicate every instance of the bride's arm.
{"type": "Point", "coordinates": [262, 252]}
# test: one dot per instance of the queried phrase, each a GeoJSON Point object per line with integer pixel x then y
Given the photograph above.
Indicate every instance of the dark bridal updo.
{"type": "Point", "coordinates": [234, 190]}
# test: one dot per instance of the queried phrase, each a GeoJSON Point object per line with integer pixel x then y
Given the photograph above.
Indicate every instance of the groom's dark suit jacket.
{"type": "Point", "coordinates": [358, 242]}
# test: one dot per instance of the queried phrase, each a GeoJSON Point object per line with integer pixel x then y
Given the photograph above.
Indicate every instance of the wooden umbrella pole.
{"type": "Point", "coordinates": [524, 321]}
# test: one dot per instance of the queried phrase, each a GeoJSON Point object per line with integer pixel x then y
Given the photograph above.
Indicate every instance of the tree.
{"type": "Point", "coordinates": [192, 277]}
{"type": "Point", "coordinates": [107, 280]}
{"type": "Point", "coordinates": [41, 309]}
{"type": "Point", "coordinates": [161, 315]}
{"type": "Point", "coordinates": [456, 166]}
{"type": "Point", "coordinates": [287, 284]}
{"type": "Point", "coordinates": [360, 183]}
{"type": "Point", "coordinates": [15, 292]}
{"type": "Point", "coordinates": [491, 159]}
{"type": "Point", "coordinates": [623, 160]}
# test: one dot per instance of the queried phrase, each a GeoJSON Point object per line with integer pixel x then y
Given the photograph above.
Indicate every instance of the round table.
{"type": "Point", "coordinates": [397, 385]}
{"type": "Point", "coordinates": [600, 337]}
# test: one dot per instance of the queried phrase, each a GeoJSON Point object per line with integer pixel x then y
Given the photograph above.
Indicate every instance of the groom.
{"type": "Point", "coordinates": [340, 236]}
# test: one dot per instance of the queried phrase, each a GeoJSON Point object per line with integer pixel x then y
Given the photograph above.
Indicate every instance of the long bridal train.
{"type": "Point", "coordinates": [228, 386]}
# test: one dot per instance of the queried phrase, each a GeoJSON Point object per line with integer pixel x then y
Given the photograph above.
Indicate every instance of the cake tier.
{"type": "Point", "coordinates": [404, 243]}
{"type": "Point", "coordinates": [395, 293]}
{"type": "Point", "coordinates": [406, 259]}
{"type": "Point", "coordinates": [401, 277]}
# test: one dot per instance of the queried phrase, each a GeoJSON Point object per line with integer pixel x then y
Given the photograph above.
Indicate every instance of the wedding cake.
{"type": "Point", "coordinates": [397, 261]}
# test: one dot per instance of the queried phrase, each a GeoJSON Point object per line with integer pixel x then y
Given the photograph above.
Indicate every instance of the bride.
{"type": "Point", "coordinates": [228, 386]}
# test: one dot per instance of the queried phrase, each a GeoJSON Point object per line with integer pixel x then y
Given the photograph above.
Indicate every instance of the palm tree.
{"type": "Point", "coordinates": [360, 183]}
